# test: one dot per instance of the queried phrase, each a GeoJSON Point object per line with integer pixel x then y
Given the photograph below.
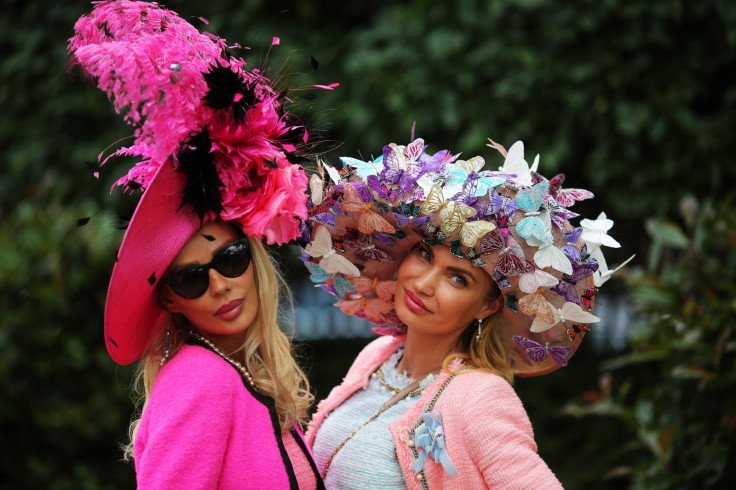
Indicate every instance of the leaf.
{"type": "Point", "coordinates": [666, 232]}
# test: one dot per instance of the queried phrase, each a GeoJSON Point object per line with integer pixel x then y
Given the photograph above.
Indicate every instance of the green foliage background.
{"type": "Point", "coordinates": [633, 99]}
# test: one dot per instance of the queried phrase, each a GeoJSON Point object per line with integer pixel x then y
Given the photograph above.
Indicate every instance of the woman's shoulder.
{"type": "Point", "coordinates": [200, 370]}
{"type": "Point", "coordinates": [483, 387]}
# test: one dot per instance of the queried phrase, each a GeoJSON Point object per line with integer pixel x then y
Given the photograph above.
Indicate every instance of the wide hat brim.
{"type": "Point", "coordinates": [158, 230]}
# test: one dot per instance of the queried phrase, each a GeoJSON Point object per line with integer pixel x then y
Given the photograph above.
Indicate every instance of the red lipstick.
{"type": "Point", "coordinates": [230, 310]}
{"type": "Point", "coordinates": [414, 303]}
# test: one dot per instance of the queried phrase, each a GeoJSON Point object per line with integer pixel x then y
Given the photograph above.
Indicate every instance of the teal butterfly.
{"type": "Point", "coordinates": [461, 171]}
{"type": "Point", "coordinates": [316, 273]}
{"type": "Point", "coordinates": [364, 169]}
{"type": "Point", "coordinates": [529, 201]}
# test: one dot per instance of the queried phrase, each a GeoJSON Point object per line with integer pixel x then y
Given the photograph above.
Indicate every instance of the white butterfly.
{"type": "Point", "coordinates": [531, 281]}
{"type": "Point", "coordinates": [515, 164]}
{"type": "Point", "coordinates": [316, 185]}
{"type": "Point", "coordinates": [333, 173]}
{"type": "Point", "coordinates": [331, 261]}
{"type": "Point", "coordinates": [569, 312]}
{"type": "Point", "coordinates": [595, 232]}
{"type": "Point", "coordinates": [547, 255]}
{"type": "Point", "coordinates": [603, 273]}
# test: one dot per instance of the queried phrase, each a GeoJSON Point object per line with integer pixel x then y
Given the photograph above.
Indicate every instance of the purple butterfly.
{"type": "Point", "coordinates": [559, 215]}
{"type": "Point", "coordinates": [382, 189]}
{"type": "Point", "coordinates": [467, 195]}
{"type": "Point", "coordinates": [501, 204]}
{"type": "Point", "coordinates": [571, 249]}
{"type": "Point", "coordinates": [538, 352]}
{"type": "Point", "coordinates": [501, 280]}
{"type": "Point", "coordinates": [566, 286]}
{"type": "Point", "coordinates": [325, 218]}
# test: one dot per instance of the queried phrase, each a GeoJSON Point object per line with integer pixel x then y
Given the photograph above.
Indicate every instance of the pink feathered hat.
{"type": "Point", "coordinates": [213, 139]}
{"type": "Point", "coordinates": [513, 223]}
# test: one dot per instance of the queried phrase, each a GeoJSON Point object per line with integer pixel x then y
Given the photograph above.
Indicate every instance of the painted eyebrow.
{"type": "Point", "coordinates": [186, 265]}
{"type": "Point", "coordinates": [451, 269]}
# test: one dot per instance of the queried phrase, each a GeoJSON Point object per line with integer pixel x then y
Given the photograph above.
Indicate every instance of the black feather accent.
{"type": "Point", "coordinates": [228, 90]}
{"type": "Point", "coordinates": [202, 189]}
{"type": "Point", "coordinates": [272, 163]}
{"type": "Point", "coordinates": [315, 63]}
{"type": "Point", "coordinates": [309, 96]}
{"type": "Point", "coordinates": [82, 221]}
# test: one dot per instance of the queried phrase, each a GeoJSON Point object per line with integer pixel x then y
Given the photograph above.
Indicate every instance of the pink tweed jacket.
{"type": "Point", "coordinates": [202, 428]}
{"type": "Point", "coordinates": [487, 433]}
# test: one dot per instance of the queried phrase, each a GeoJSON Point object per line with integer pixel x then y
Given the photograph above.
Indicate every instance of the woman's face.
{"type": "Point", "coordinates": [440, 294]}
{"type": "Point", "coordinates": [230, 304]}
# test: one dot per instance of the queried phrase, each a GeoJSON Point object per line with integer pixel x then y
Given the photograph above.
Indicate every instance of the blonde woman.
{"type": "Point", "coordinates": [193, 295]}
{"type": "Point", "coordinates": [473, 277]}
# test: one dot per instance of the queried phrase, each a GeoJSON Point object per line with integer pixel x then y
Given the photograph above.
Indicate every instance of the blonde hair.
{"type": "Point", "coordinates": [266, 348]}
{"type": "Point", "coordinates": [488, 355]}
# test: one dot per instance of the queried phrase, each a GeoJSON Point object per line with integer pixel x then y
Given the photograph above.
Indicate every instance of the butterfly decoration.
{"type": "Point", "coordinates": [450, 214]}
{"type": "Point", "coordinates": [475, 257]}
{"type": "Point", "coordinates": [400, 164]}
{"type": "Point", "coordinates": [573, 331]}
{"type": "Point", "coordinates": [371, 309]}
{"type": "Point", "coordinates": [569, 312]}
{"type": "Point", "coordinates": [316, 273]}
{"type": "Point", "coordinates": [466, 194]}
{"type": "Point", "coordinates": [595, 232]}
{"type": "Point", "coordinates": [408, 215]}
{"type": "Point", "coordinates": [471, 231]}
{"type": "Point", "coordinates": [338, 242]}
{"type": "Point", "coordinates": [383, 289]}
{"type": "Point", "coordinates": [327, 218]}
{"type": "Point", "coordinates": [531, 281]}
{"type": "Point", "coordinates": [558, 215]}
{"type": "Point", "coordinates": [536, 305]}
{"type": "Point", "coordinates": [512, 302]}
{"type": "Point", "coordinates": [463, 170]}
{"type": "Point", "coordinates": [603, 274]}
{"type": "Point", "coordinates": [368, 220]}
{"type": "Point", "coordinates": [316, 186]}
{"type": "Point", "coordinates": [364, 169]}
{"type": "Point", "coordinates": [538, 352]}
{"type": "Point", "coordinates": [566, 197]}
{"type": "Point", "coordinates": [586, 299]}
{"type": "Point", "coordinates": [529, 201]}
{"type": "Point", "coordinates": [566, 286]}
{"type": "Point", "coordinates": [548, 255]}
{"type": "Point", "coordinates": [501, 205]}
{"type": "Point", "coordinates": [434, 236]}
{"type": "Point", "coordinates": [501, 280]}
{"type": "Point", "coordinates": [332, 172]}
{"type": "Point", "coordinates": [571, 249]}
{"type": "Point", "coordinates": [515, 164]}
{"type": "Point", "coordinates": [330, 260]}
{"type": "Point", "coordinates": [342, 286]}
{"type": "Point", "coordinates": [381, 188]}
{"type": "Point", "coordinates": [366, 250]}
{"type": "Point", "coordinates": [455, 248]}
{"type": "Point", "coordinates": [511, 259]}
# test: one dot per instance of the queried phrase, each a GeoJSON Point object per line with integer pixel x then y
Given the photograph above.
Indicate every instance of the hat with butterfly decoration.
{"type": "Point", "coordinates": [212, 140]}
{"type": "Point", "coordinates": [513, 223]}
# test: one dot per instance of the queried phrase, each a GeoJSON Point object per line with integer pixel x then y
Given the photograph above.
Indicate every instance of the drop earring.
{"type": "Point", "coordinates": [479, 336]}
{"type": "Point", "coordinates": [167, 347]}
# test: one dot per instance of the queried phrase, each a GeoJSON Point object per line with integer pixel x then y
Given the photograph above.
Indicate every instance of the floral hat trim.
{"type": "Point", "coordinates": [220, 119]}
{"type": "Point", "coordinates": [511, 222]}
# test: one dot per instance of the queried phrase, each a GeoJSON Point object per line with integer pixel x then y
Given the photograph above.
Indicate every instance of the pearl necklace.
{"type": "Point", "coordinates": [236, 364]}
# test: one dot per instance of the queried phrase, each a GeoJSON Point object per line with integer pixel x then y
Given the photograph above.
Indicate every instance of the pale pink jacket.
{"type": "Point", "coordinates": [488, 435]}
{"type": "Point", "coordinates": [202, 429]}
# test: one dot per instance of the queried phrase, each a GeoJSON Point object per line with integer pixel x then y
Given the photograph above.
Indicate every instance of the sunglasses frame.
{"type": "Point", "coordinates": [205, 268]}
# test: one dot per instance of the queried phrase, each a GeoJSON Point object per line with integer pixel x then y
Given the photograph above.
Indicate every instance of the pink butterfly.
{"type": "Point", "coordinates": [372, 309]}
{"type": "Point", "coordinates": [511, 259]}
{"type": "Point", "coordinates": [383, 289]}
{"type": "Point", "coordinates": [566, 197]}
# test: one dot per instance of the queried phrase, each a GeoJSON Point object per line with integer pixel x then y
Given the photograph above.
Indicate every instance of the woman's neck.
{"type": "Point", "coordinates": [423, 354]}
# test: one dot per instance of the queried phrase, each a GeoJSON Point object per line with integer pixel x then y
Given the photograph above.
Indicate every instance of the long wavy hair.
{"type": "Point", "coordinates": [487, 355]}
{"type": "Point", "coordinates": [267, 350]}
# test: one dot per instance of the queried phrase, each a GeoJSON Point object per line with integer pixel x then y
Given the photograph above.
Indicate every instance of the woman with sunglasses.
{"type": "Point", "coordinates": [440, 260]}
{"type": "Point", "coordinates": [194, 295]}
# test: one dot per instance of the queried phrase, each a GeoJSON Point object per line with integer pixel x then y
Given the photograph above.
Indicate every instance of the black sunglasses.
{"type": "Point", "coordinates": [192, 282]}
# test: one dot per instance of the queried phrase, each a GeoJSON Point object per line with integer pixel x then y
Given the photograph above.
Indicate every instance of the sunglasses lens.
{"type": "Point", "coordinates": [234, 260]}
{"type": "Point", "coordinates": [190, 283]}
